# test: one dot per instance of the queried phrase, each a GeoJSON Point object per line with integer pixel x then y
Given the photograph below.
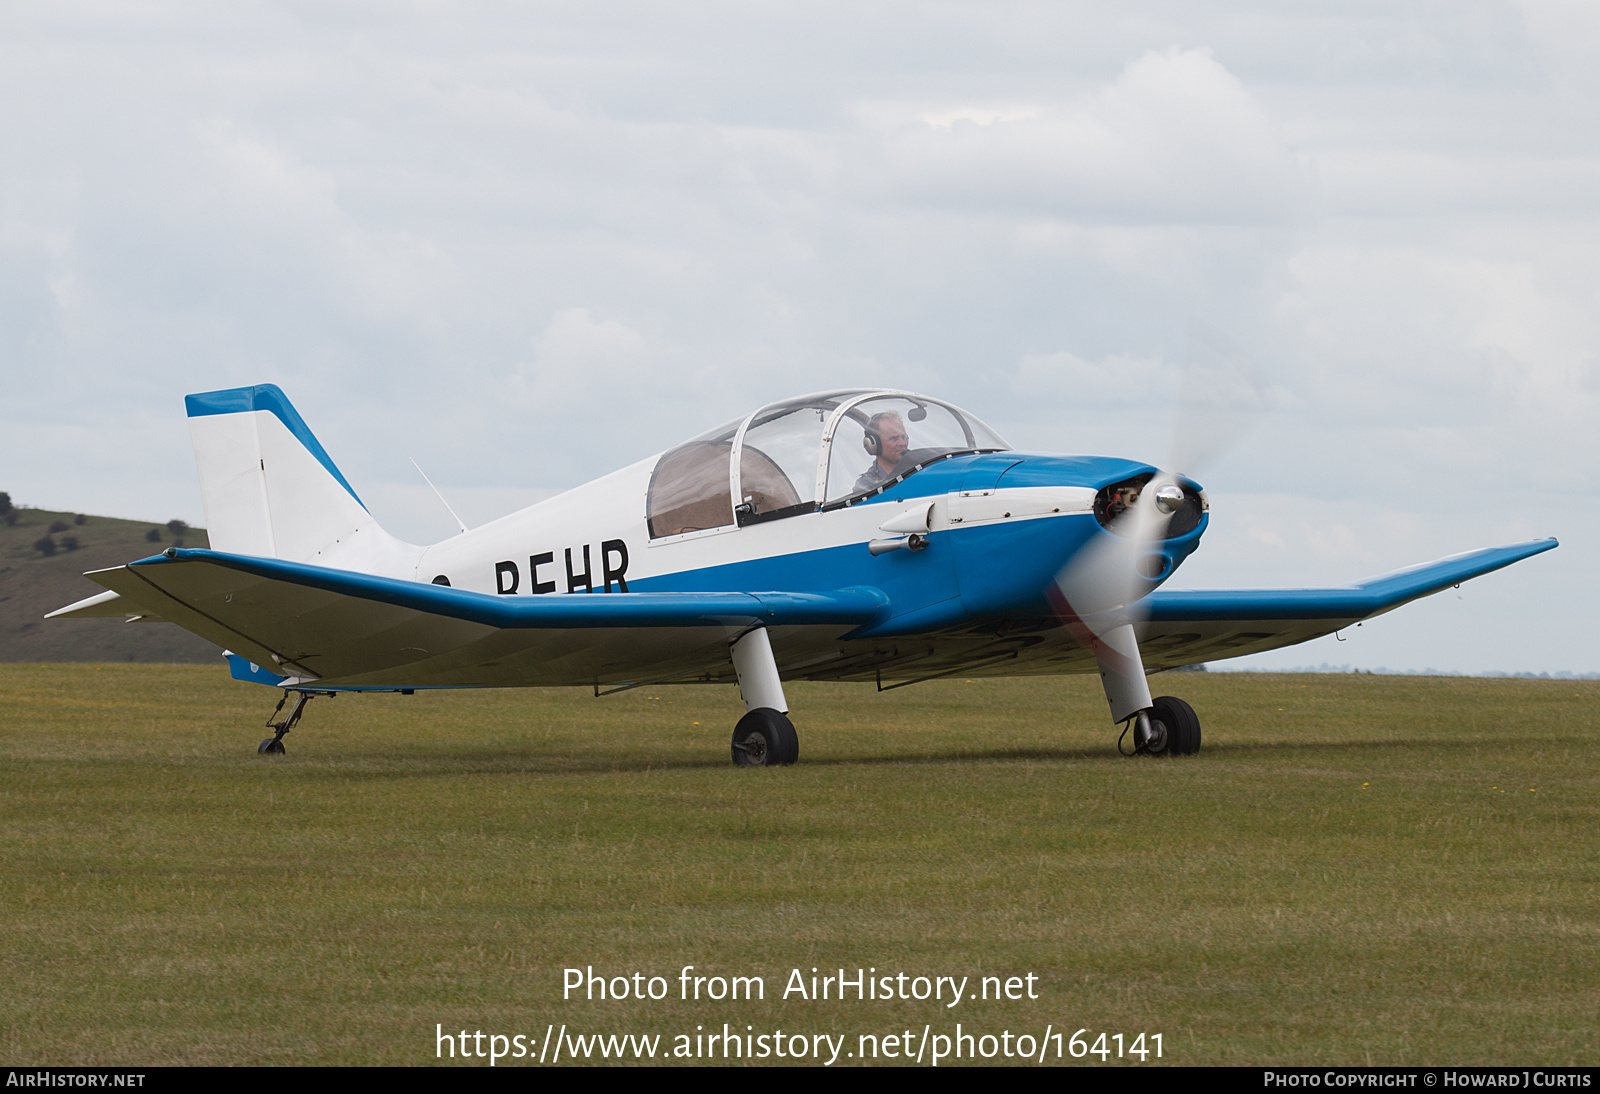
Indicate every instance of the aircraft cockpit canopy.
{"type": "Point", "coordinates": [816, 452]}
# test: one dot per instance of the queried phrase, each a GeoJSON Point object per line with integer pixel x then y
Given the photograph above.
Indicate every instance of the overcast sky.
{"type": "Point", "coordinates": [528, 243]}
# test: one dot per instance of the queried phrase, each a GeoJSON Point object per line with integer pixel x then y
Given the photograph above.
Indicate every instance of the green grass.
{"type": "Point", "coordinates": [1385, 870]}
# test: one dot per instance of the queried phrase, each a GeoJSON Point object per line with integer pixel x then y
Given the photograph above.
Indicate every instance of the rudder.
{"type": "Point", "coordinates": [268, 485]}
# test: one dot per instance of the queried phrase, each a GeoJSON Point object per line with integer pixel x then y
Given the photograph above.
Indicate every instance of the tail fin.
{"type": "Point", "coordinates": [270, 489]}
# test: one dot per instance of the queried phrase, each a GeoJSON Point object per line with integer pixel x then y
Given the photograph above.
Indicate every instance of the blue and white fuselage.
{"type": "Point", "coordinates": [997, 528]}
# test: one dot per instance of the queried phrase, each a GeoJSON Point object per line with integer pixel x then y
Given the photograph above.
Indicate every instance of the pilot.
{"type": "Point", "coordinates": [885, 439]}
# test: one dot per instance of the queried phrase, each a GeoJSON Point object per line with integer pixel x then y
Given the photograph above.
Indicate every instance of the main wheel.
{"type": "Point", "coordinates": [270, 747]}
{"type": "Point", "coordinates": [765, 738]}
{"type": "Point", "coordinates": [1175, 726]}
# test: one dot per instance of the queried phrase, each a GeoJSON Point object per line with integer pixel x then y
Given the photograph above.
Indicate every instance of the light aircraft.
{"type": "Point", "coordinates": [869, 535]}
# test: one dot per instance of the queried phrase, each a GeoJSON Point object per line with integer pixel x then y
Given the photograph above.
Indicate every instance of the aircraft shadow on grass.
{"type": "Point", "coordinates": [425, 765]}
{"type": "Point", "coordinates": [422, 764]}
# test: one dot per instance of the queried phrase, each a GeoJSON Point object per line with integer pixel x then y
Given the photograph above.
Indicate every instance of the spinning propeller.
{"type": "Point", "coordinates": [1098, 592]}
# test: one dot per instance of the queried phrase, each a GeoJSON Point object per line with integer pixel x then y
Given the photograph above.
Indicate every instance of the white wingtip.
{"type": "Point", "coordinates": [100, 605]}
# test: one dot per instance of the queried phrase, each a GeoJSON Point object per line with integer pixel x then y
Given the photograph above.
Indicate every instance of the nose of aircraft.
{"type": "Point", "coordinates": [1115, 540]}
{"type": "Point", "coordinates": [1147, 524]}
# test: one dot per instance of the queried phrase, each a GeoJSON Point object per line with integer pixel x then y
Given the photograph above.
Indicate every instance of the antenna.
{"type": "Point", "coordinates": [436, 493]}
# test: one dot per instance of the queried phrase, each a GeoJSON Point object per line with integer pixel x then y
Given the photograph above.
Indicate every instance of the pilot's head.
{"type": "Point", "coordinates": [886, 438]}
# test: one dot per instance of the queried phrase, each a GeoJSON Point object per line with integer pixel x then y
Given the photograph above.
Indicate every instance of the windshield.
{"type": "Point", "coordinates": [879, 440]}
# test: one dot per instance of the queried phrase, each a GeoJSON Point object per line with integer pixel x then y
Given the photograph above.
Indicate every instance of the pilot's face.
{"type": "Point", "coordinates": [893, 435]}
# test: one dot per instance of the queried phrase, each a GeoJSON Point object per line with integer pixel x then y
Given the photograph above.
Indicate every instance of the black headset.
{"type": "Point", "coordinates": [874, 443]}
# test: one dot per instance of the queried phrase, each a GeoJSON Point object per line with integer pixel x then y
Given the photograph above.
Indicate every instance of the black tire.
{"type": "Point", "coordinates": [270, 747]}
{"type": "Point", "coordinates": [765, 738]}
{"type": "Point", "coordinates": [1181, 726]}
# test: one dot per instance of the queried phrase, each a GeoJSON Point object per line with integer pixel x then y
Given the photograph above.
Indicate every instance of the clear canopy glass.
{"type": "Point", "coordinates": [778, 459]}
{"type": "Point", "coordinates": [817, 451]}
{"type": "Point", "coordinates": [881, 438]}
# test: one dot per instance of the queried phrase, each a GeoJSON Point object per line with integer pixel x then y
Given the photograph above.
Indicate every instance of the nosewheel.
{"type": "Point", "coordinates": [1169, 728]}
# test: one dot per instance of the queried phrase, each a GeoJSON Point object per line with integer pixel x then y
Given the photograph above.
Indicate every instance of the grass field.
{"type": "Point", "coordinates": [1354, 870]}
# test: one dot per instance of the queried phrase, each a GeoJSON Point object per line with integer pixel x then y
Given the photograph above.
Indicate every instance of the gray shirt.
{"type": "Point", "coordinates": [874, 477]}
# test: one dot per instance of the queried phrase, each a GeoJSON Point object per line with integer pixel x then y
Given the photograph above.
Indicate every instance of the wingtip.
{"type": "Point", "coordinates": [98, 605]}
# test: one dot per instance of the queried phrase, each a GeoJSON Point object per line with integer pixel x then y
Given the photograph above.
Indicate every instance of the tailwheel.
{"type": "Point", "coordinates": [765, 738]}
{"type": "Point", "coordinates": [1169, 728]}
{"type": "Point", "coordinates": [273, 746]}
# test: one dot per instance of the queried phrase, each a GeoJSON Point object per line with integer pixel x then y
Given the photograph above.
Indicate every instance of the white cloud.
{"type": "Point", "coordinates": [1119, 382]}
{"type": "Point", "coordinates": [577, 354]}
{"type": "Point", "coordinates": [1176, 138]}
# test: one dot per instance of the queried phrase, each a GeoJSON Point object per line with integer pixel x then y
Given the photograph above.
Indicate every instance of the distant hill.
{"type": "Point", "coordinates": [33, 582]}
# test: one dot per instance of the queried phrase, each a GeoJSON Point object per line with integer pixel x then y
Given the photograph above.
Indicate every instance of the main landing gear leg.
{"type": "Point", "coordinates": [273, 746]}
{"type": "Point", "coordinates": [1164, 726]}
{"type": "Point", "coordinates": [764, 737]}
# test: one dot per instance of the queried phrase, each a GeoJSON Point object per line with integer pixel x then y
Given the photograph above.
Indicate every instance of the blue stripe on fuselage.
{"type": "Point", "coordinates": [910, 580]}
{"type": "Point", "coordinates": [995, 570]}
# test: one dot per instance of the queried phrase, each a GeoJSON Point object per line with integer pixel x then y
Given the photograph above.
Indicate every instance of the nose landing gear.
{"type": "Point", "coordinates": [1161, 727]}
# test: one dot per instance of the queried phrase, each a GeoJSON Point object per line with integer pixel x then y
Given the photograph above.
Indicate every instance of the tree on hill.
{"type": "Point", "coordinates": [10, 517]}
{"type": "Point", "coordinates": [70, 542]}
{"type": "Point", "coordinates": [153, 536]}
{"type": "Point", "coordinates": [58, 526]}
{"type": "Point", "coordinates": [177, 527]}
{"type": "Point", "coordinates": [45, 546]}
{"type": "Point", "coordinates": [80, 519]}
{"type": "Point", "coordinates": [5, 502]}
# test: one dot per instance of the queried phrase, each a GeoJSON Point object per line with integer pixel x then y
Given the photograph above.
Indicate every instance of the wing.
{"type": "Point", "coordinates": [1185, 627]}
{"type": "Point", "coordinates": [343, 628]}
